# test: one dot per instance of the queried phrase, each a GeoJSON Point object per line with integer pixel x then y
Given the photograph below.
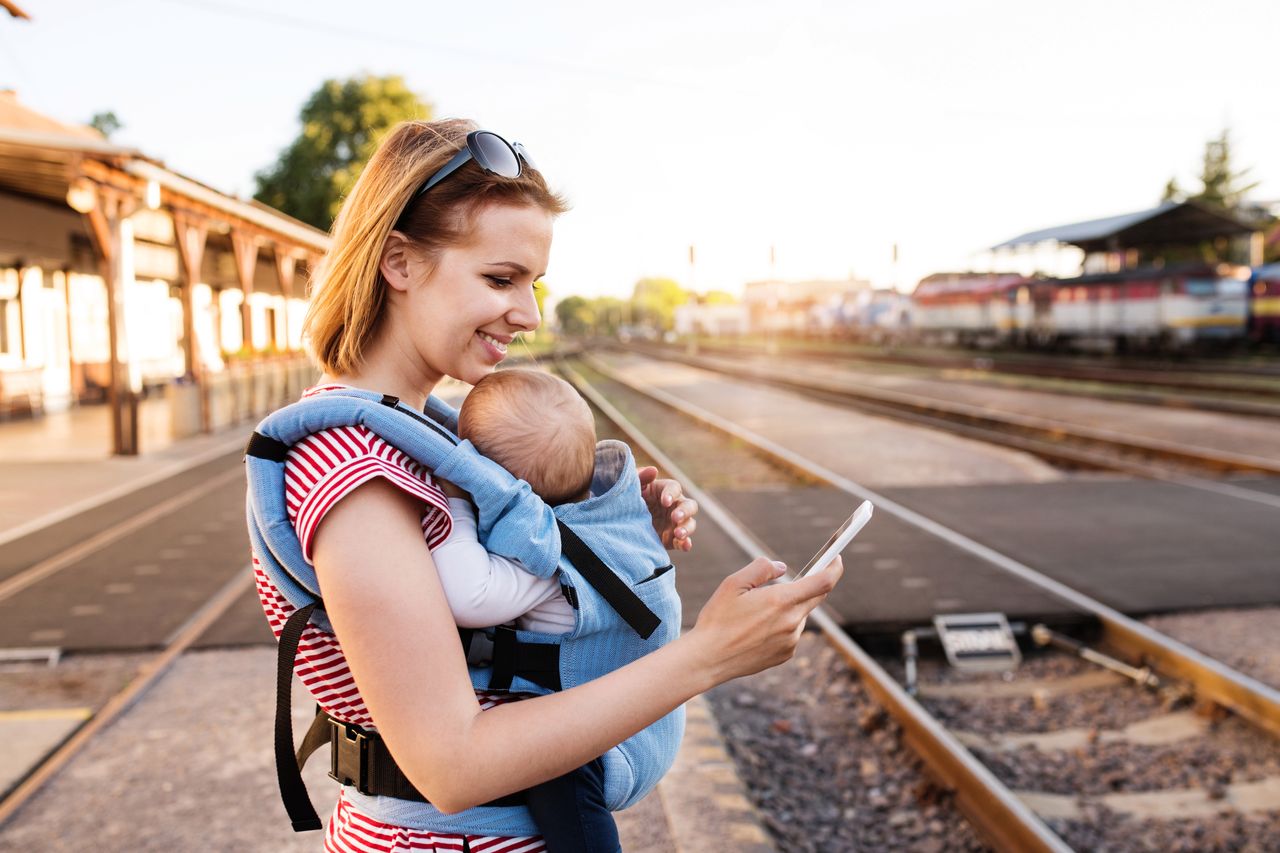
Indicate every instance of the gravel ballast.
{"type": "Point", "coordinates": [826, 767]}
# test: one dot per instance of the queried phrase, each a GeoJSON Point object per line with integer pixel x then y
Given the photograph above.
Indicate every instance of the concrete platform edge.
{"type": "Point", "coordinates": [704, 799]}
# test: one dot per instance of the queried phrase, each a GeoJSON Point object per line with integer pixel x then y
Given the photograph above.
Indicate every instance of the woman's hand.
{"type": "Point", "coordinates": [673, 513]}
{"type": "Point", "coordinates": [749, 624]}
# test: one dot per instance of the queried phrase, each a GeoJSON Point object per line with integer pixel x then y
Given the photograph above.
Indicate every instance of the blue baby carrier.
{"type": "Point", "coordinates": [621, 586]}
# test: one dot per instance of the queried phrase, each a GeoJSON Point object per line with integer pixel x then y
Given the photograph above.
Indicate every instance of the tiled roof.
{"type": "Point", "coordinates": [15, 116]}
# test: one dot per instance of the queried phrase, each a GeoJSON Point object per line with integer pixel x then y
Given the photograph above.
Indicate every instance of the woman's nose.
{"type": "Point", "coordinates": [524, 313]}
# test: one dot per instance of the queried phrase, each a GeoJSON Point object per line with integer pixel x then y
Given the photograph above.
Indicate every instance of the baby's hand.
{"type": "Point", "coordinates": [451, 490]}
{"type": "Point", "coordinates": [673, 513]}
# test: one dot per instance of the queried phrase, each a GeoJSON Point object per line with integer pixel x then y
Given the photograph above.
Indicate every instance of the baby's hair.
{"type": "Point", "coordinates": [537, 427]}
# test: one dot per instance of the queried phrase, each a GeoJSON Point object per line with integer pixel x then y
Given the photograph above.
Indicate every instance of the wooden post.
{"type": "Point", "coordinates": [106, 221]}
{"type": "Point", "coordinates": [77, 379]}
{"type": "Point", "coordinates": [245, 247]}
{"type": "Point", "coordinates": [286, 265]}
{"type": "Point", "coordinates": [191, 233]}
{"type": "Point", "coordinates": [21, 268]}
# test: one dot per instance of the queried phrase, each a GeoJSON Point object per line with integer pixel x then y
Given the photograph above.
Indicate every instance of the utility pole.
{"type": "Point", "coordinates": [693, 277]}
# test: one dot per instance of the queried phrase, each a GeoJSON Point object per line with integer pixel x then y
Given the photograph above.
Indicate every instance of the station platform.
{"type": "Point", "coordinates": [59, 464]}
{"type": "Point", "coordinates": [187, 769]}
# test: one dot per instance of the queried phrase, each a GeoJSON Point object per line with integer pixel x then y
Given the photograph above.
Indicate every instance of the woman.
{"type": "Point", "coordinates": [435, 258]}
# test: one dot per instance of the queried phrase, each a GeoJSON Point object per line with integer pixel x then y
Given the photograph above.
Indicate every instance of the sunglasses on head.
{"type": "Point", "coordinates": [491, 152]}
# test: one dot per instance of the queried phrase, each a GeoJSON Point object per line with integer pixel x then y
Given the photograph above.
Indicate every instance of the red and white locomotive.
{"type": "Point", "coordinates": [1172, 308]}
{"type": "Point", "coordinates": [1264, 304]}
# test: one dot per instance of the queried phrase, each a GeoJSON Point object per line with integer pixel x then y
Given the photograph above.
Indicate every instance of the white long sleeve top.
{"type": "Point", "coordinates": [486, 589]}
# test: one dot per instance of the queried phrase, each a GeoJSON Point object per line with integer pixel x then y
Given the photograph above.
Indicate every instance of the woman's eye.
{"type": "Point", "coordinates": [499, 281]}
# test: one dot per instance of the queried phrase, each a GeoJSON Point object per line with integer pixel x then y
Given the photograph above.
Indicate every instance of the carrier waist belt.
{"type": "Point", "coordinates": [360, 758]}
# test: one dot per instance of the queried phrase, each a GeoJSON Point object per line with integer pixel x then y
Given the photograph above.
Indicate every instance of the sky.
{"type": "Point", "coordinates": [828, 132]}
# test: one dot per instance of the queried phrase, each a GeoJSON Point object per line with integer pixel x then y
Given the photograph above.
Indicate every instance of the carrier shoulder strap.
{"type": "Point", "coordinates": [612, 588]}
{"type": "Point", "coordinates": [288, 770]}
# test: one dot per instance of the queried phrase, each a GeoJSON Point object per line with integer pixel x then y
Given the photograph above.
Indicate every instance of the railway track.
{"type": "Point", "coordinates": [169, 537]}
{"type": "Point", "coordinates": [952, 722]}
{"type": "Point", "coordinates": [1243, 382]}
{"type": "Point", "coordinates": [1059, 442]}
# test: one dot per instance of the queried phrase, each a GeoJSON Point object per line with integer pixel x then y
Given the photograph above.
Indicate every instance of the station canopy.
{"type": "Point", "coordinates": [1171, 223]}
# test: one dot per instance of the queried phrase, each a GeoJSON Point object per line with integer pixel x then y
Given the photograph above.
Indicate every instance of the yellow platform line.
{"type": "Point", "coordinates": [46, 714]}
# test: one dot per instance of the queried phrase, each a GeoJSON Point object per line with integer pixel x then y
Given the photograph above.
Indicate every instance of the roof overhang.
{"type": "Point", "coordinates": [42, 165]}
{"type": "Point", "coordinates": [1171, 223]}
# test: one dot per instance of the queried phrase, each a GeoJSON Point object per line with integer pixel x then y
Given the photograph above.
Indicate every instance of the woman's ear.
{"type": "Point", "coordinates": [397, 261]}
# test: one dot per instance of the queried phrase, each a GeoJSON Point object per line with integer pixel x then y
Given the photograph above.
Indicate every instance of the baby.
{"type": "Point", "coordinates": [538, 428]}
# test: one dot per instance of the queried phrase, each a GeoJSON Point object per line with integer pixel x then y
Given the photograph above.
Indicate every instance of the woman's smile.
{"type": "Point", "coordinates": [496, 346]}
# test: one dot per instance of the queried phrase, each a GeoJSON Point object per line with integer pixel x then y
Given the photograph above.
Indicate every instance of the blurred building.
{"type": "Point", "coordinates": [798, 307]}
{"type": "Point", "coordinates": [117, 274]}
{"type": "Point", "coordinates": [718, 320]}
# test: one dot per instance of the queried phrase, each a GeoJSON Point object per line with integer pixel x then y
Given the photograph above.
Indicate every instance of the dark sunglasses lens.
{"type": "Point", "coordinates": [524, 155]}
{"type": "Point", "coordinates": [496, 155]}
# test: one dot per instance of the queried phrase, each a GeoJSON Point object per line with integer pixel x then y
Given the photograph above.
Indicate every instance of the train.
{"type": "Point", "coordinates": [1187, 307]}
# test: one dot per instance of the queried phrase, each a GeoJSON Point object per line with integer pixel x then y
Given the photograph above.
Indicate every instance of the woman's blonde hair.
{"type": "Point", "coordinates": [348, 292]}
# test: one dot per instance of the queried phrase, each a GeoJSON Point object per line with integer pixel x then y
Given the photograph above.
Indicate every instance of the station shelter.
{"type": "Point", "coordinates": [121, 277]}
{"type": "Point", "coordinates": [1144, 238]}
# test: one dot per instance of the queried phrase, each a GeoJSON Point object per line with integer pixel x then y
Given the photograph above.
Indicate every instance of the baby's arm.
{"type": "Point", "coordinates": [484, 589]}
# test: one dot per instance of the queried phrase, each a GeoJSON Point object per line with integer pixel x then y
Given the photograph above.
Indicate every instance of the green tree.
{"type": "Point", "coordinates": [106, 123]}
{"type": "Point", "coordinates": [1172, 192]}
{"type": "Point", "coordinates": [654, 301]}
{"type": "Point", "coordinates": [610, 314]}
{"type": "Point", "coordinates": [576, 316]}
{"type": "Point", "coordinates": [1221, 185]}
{"type": "Point", "coordinates": [540, 294]}
{"type": "Point", "coordinates": [342, 123]}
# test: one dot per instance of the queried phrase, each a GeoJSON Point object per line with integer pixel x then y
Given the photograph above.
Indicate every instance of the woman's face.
{"type": "Point", "coordinates": [465, 310]}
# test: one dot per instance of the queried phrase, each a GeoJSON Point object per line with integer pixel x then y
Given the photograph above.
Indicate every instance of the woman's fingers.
{"type": "Point", "coordinates": [751, 623]}
{"type": "Point", "coordinates": [684, 509]}
{"type": "Point", "coordinates": [809, 591]}
{"type": "Point", "coordinates": [682, 536]}
{"type": "Point", "coordinates": [757, 573]}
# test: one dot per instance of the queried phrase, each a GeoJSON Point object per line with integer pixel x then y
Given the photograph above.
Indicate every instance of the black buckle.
{"type": "Point", "coordinates": [479, 649]}
{"type": "Point", "coordinates": [349, 756]}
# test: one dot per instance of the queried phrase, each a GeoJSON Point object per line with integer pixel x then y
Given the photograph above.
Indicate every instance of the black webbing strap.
{"type": "Point", "coordinates": [504, 658]}
{"type": "Point", "coordinates": [264, 447]}
{"type": "Point", "coordinates": [358, 757]}
{"type": "Point", "coordinates": [317, 736]}
{"type": "Point", "coordinates": [612, 588]}
{"type": "Point", "coordinates": [292, 790]}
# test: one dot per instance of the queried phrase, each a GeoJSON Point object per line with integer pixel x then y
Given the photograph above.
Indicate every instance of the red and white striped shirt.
{"type": "Point", "coordinates": [319, 471]}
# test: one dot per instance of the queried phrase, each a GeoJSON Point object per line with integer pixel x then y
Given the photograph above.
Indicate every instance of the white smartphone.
{"type": "Point", "coordinates": [843, 536]}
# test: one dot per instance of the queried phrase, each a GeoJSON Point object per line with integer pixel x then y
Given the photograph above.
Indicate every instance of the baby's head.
{"type": "Point", "coordinates": [537, 427]}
